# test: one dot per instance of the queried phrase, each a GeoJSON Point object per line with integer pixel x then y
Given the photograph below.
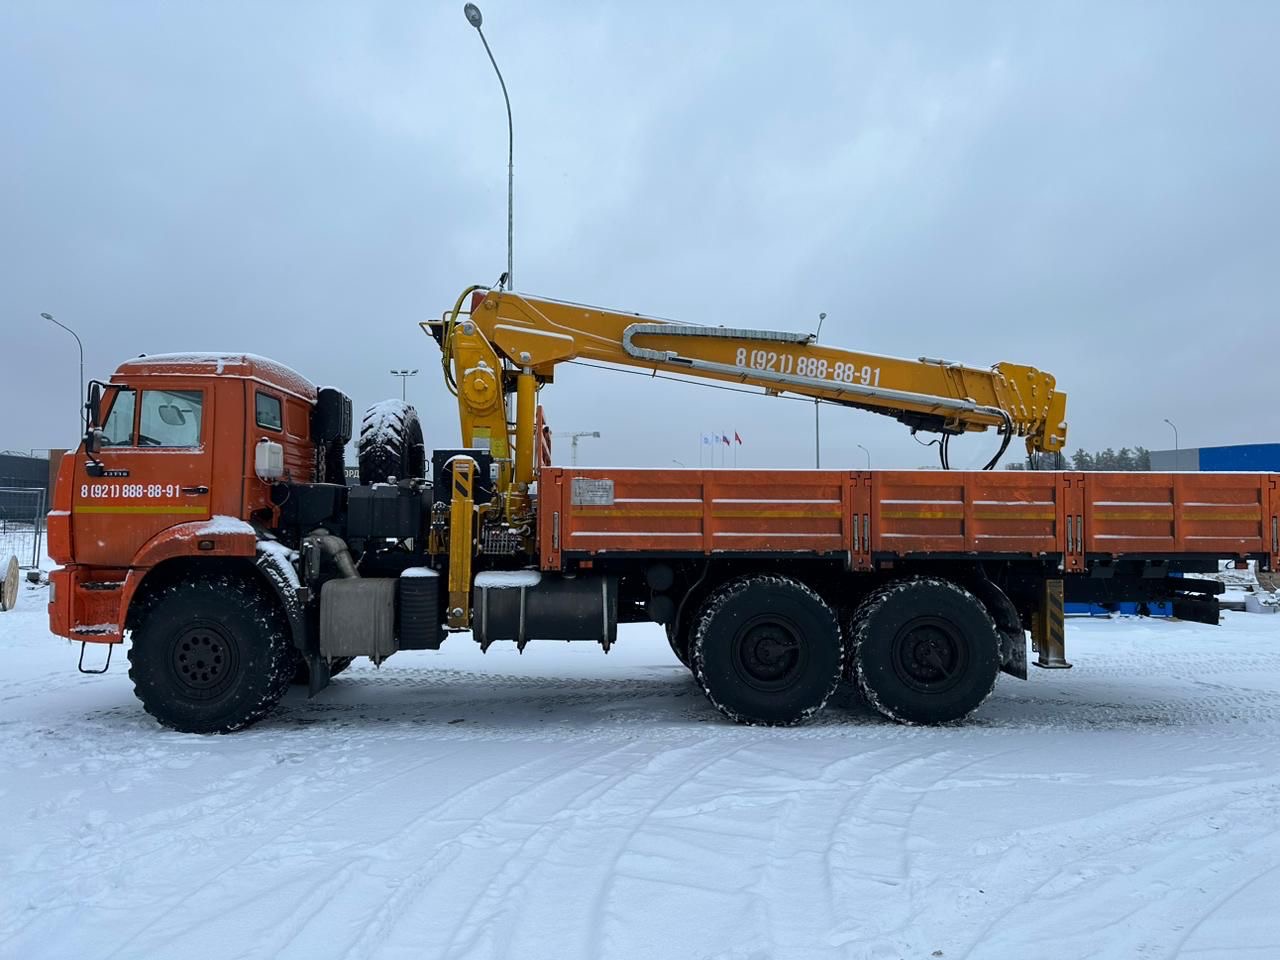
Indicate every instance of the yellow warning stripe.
{"type": "Point", "coordinates": [814, 514]}
{"type": "Point", "coordinates": [977, 515]}
{"type": "Point", "coordinates": [793, 514]}
{"type": "Point", "coordinates": [149, 510]}
{"type": "Point", "coordinates": [1206, 514]}
{"type": "Point", "coordinates": [1014, 515]}
{"type": "Point", "coordinates": [1165, 513]}
{"type": "Point", "coordinates": [583, 510]}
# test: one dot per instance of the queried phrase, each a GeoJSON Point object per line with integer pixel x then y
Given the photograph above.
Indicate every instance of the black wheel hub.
{"type": "Point", "coordinates": [929, 654]}
{"type": "Point", "coordinates": [769, 653]}
{"type": "Point", "coordinates": [204, 660]}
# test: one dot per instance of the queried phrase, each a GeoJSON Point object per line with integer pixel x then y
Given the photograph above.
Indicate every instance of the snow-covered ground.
{"type": "Point", "coordinates": [565, 804]}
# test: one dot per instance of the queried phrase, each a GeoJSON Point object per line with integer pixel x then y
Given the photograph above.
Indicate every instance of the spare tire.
{"type": "Point", "coordinates": [390, 443]}
{"type": "Point", "coordinates": [9, 585]}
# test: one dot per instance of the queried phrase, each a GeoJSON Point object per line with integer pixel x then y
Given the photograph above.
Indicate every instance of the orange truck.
{"type": "Point", "coordinates": [205, 517]}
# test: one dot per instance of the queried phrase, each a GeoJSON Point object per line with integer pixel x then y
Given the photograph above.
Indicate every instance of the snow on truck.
{"type": "Point", "coordinates": [205, 515]}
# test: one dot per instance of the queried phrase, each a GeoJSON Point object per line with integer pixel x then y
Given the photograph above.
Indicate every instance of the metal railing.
{"type": "Point", "coordinates": [22, 511]}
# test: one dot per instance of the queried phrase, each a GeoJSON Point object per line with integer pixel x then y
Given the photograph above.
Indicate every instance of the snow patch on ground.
{"type": "Point", "coordinates": [570, 805]}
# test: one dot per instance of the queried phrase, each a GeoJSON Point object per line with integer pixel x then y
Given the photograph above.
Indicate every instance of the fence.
{"type": "Point", "coordinates": [22, 525]}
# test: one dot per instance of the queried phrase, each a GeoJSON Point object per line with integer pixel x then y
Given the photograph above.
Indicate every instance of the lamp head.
{"type": "Point", "coordinates": [473, 15]}
{"type": "Point", "coordinates": [47, 316]}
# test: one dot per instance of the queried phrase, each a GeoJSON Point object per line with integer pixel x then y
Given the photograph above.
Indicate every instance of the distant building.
{"type": "Point", "coordinates": [1247, 457]}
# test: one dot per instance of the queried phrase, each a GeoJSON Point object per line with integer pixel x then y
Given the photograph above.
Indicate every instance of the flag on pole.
{"type": "Point", "coordinates": [737, 438]}
{"type": "Point", "coordinates": [726, 440]}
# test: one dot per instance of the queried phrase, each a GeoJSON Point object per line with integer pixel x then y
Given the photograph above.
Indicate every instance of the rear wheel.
{"type": "Point", "coordinates": [210, 656]}
{"type": "Point", "coordinates": [925, 650]}
{"type": "Point", "coordinates": [390, 443]}
{"type": "Point", "coordinates": [766, 650]}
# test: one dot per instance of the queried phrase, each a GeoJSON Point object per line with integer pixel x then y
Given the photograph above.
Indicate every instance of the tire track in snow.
{"type": "Point", "coordinates": [1164, 850]}
{"type": "Point", "coordinates": [587, 819]}
{"type": "Point", "coordinates": [396, 910]}
{"type": "Point", "coordinates": [177, 900]}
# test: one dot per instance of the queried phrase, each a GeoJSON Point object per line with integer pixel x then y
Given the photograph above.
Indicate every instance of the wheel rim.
{"type": "Point", "coordinates": [204, 659]}
{"type": "Point", "coordinates": [930, 654]}
{"type": "Point", "coordinates": [769, 653]}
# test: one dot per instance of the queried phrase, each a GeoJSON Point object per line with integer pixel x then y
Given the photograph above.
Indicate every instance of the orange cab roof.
{"type": "Point", "coordinates": [242, 365]}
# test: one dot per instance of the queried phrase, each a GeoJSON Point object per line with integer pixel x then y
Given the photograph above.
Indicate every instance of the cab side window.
{"type": "Point", "coordinates": [267, 411]}
{"type": "Point", "coordinates": [118, 430]}
{"type": "Point", "coordinates": [170, 418]}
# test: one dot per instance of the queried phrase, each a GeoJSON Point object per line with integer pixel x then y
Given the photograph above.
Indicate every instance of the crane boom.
{"type": "Point", "coordinates": [510, 342]}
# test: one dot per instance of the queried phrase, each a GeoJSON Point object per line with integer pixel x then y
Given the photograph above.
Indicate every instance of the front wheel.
{"type": "Point", "coordinates": [210, 655]}
{"type": "Point", "coordinates": [925, 650]}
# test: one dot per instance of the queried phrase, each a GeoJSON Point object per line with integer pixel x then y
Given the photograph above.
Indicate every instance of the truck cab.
{"type": "Point", "coordinates": [167, 472]}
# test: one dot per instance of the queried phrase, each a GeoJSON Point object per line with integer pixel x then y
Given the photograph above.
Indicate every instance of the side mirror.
{"type": "Point", "coordinates": [92, 440]}
{"type": "Point", "coordinates": [94, 405]}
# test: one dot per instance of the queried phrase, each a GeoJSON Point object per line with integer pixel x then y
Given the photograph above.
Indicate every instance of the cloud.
{"type": "Point", "coordinates": [1086, 188]}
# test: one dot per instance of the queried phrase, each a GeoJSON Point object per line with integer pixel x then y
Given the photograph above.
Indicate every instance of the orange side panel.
{"type": "Point", "coordinates": [702, 511]}
{"type": "Point", "coordinates": [1175, 513]}
{"type": "Point", "coordinates": [955, 512]}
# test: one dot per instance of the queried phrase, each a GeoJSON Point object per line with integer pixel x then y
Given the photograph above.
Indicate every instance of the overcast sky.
{"type": "Point", "coordinates": [1090, 189]}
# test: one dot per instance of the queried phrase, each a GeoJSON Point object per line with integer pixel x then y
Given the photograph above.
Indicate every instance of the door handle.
{"type": "Point", "coordinates": [195, 491]}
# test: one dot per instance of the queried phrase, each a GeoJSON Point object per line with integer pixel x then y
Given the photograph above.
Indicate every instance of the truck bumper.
{"type": "Point", "coordinates": [80, 609]}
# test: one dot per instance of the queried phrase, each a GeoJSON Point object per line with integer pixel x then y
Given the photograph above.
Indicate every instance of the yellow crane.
{"type": "Point", "coordinates": [503, 343]}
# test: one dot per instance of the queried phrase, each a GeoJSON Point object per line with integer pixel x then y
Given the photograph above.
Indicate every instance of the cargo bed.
{"type": "Point", "coordinates": [868, 517]}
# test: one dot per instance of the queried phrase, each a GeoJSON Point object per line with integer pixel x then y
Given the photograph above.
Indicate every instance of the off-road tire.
{"type": "Point", "coordinates": [302, 673]}
{"type": "Point", "coordinates": [390, 443]}
{"type": "Point", "coordinates": [210, 655]}
{"type": "Point", "coordinates": [925, 650]}
{"type": "Point", "coordinates": [766, 650]}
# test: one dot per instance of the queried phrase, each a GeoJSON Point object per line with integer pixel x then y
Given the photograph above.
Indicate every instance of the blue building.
{"type": "Point", "coordinates": [1248, 457]}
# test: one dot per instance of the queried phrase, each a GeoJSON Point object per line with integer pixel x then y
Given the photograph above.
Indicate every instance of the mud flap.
{"type": "Point", "coordinates": [274, 567]}
{"type": "Point", "coordinates": [1013, 639]}
{"type": "Point", "coordinates": [317, 673]}
{"type": "Point", "coordinates": [1013, 650]}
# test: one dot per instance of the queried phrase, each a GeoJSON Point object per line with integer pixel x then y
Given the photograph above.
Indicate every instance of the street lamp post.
{"type": "Point", "coordinates": [817, 420]}
{"type": "Point", "coordinates": [49, 317]}
{"type": "Point", "coordinates": [475, 18]}
{"type": "Point", "coordinates": [1177, 457]}
{"type": "Point", "coordinates": [404, 376]}
{"type": "Point", "coordinates": [867, 452]}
